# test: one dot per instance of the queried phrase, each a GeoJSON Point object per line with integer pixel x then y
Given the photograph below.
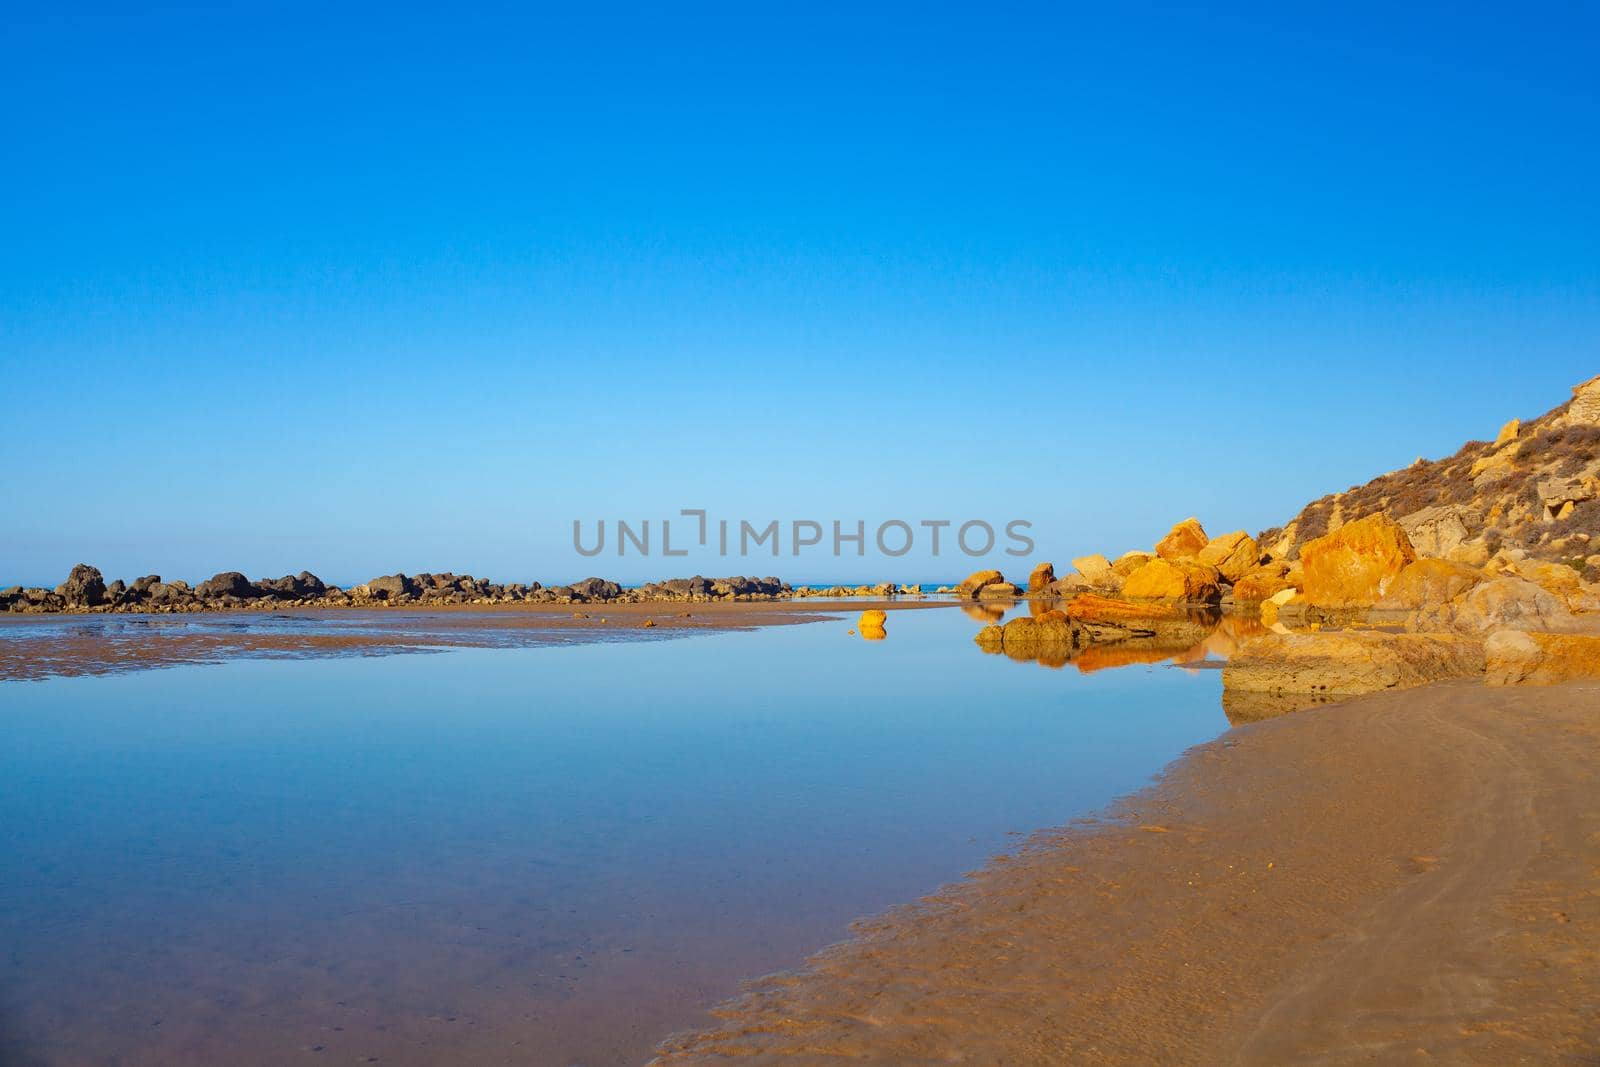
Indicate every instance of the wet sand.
{"type": "Point", "coordinates": [42, 646]}
{"type": "Point", "coordinates": [1410, 876]}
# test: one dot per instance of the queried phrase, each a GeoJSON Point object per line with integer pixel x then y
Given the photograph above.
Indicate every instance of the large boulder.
{"type": "Point", "coordinates": [84, 588]}
{"type": "Point", "coordinates": [170, 594]}
{"type": "Point", "coordinates": [228, 583]}
{"type": "Point", "coordinates": [391, 587]}
{"type": "Point", "coordinates": [1129, 562]}
{"type": "Point", "coordinates": [1040, 578]}
{"type": "Point", "coordinates": [603, 589]}
{"type": "Point", "coordinates": [1516, 657]}
{"type": "Point", "coordinates": [998, 590]}
{"type": "Point", "coordinates": [1166, 579]}
{"type": "Point", "coordinates": [968, 590]}
{"type": "Point", "coordinates": [1354, 565]}
{"type": "Point", "coordinates": [1435, 531]}
{"type": "Point", "coordinates": [1500, 603]}
{"type": "Point", "coordinates": [1350, 661]}
{"type": "Point", "coordinates": [1233, 554]}
{"type": "Point", "coordinates": [1095, 568]}
{"type": "Point", "coordinates": [1263, 582]}
{"type": "Point", "coordinates": [1183, 541]}
{"type": "Point", "coordinates": [1429, 581]}
{"type": "Point", "coordinates": [1558, 579]}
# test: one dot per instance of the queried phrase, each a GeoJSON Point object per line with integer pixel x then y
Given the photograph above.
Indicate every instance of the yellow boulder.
{"type": "Point", "coordinates": [1233, 554]}
{"type": "Point", "coordinates": [1519, 658]}
{"type": "Point", "coordinates": [1355, 565]}
{"type": "Point", "coordinates": [1429, 581]}
{"type": "Point", "coordinates": [1165, 579]}
{"type": "Point", "coordinates": [1183, 541]}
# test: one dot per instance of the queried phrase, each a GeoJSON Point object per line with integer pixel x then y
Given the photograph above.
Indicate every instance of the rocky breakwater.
{"type": "Point", "coordinates": [85, 590]}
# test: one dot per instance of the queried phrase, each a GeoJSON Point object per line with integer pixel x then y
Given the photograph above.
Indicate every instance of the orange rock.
{"type": "Point", "coordinates": [1355, 565]}
{"type": "Point", "coordinates": [969, 589]}
{"type": "Point", "coordinates": [1183, 541]}
{"type": "Point", "coordinates": [1165, 579]}
{"type": "Point", "coordinates": [1555, 578]}
{"type": "Point", "coordinates": [1429, 581]}
{"type": "Point", "coordinates": [1349, 661]}
{"type": "Point", "coordinates": [1129, 562]}
{"type": "Point", "coordinates": [1089, 607]}
{"type": "Point", "coordinates": [1040, 579]}
{"type": "Point", "coordinates": [1262, 582]}
{"type": "Point", "coordinates": [1234, 555]}
{"type": "Point", "coordinates": [1516, 657]}
{"type": "Point", "coordinates": [1100, 657]}
{"type": "Point", "coordinates": [874, 618]}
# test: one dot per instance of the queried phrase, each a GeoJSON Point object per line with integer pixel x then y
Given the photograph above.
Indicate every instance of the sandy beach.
{"type": "Point", "coordinates": [1406, 876]}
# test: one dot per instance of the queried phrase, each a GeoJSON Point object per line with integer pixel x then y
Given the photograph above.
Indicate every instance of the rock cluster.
{"type": "Point", "coordinates": [85, 590]}
{"type": "Point", "coordinates": [1482, 565]}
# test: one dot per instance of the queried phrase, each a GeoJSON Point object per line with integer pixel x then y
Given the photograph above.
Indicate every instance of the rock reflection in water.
{"type": "Point", "coordinates": [1242, 706]}
{"type": "Point", "coordinates": [1052, 637]}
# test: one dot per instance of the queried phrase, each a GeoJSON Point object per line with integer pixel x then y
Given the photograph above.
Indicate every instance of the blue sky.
{"type": "Point", "coordinates": [413, 288]}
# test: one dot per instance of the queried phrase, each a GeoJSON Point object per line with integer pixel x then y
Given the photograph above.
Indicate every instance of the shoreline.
{"type": "Point", "coordinates": [1398, 875]}
{"type": "Point", "coordinates": [39, 646]}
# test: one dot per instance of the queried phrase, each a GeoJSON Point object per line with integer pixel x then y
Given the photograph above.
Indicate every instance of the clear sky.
{"type": "Point", "coordinates": [413, 287]}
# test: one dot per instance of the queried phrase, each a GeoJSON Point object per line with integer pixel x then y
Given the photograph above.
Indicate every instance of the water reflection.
{"type": "Point", "coordinates": [541, 855]}
{"type": "Point", "coordinates": [1054, 634]}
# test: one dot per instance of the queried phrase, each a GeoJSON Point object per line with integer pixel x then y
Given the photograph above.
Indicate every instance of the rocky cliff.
{"type": "Point", "coordinates": [1534, 488]}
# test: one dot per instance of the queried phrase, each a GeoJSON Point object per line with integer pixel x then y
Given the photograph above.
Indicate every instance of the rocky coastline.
{"type": "Point", "coordinates": [1500, 581]}
{"type": "Point", "coordinates": [85, 590]}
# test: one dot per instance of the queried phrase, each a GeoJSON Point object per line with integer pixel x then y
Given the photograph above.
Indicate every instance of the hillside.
{"type": "Point", "coordinates": [1535, 487]}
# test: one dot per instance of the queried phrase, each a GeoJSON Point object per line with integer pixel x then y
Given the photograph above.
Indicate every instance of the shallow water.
{"type": "Point", "coordinates": [533, 855]}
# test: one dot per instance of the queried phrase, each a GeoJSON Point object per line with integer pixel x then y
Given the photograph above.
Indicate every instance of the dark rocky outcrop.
{"type": "Point", "coordinates": [84, 588]}
{"type": "Point", "coordinates": [226, 584]}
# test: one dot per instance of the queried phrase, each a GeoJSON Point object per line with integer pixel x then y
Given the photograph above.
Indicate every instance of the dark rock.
{"type": "Point", "coordinates": [171, 593]}
{"type": "Point", "coordinates": [84, 588]}
{"type": "Point", "coordinates": [392, 587]}
{"type": "Point", "coordinates": [228, 583]}
{"type": "Point", "coordinates": [596, 589]}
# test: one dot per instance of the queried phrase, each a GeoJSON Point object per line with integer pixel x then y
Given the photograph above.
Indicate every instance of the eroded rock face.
{"type": "Point", "coordinates": [1233, 554]}
{"type": "Point", "coordinates": [1429, 581]}
{"type": "Point", "coordinates": [1355, 565]}
{"type": "Point", "coordinates": [1517, 657]}
{"type": "Point", "coordinates": [1349, 662]}
{"type": "Point", "coordinates": [1166, 579]}
{"type": "Point", "coordinates": [1435, 531]}
{"type": "Point", "coordinates": [1183, 541]}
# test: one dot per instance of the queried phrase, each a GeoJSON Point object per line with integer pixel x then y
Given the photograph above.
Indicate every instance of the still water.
{"type": "Point", "coordinates": [539, 855]}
